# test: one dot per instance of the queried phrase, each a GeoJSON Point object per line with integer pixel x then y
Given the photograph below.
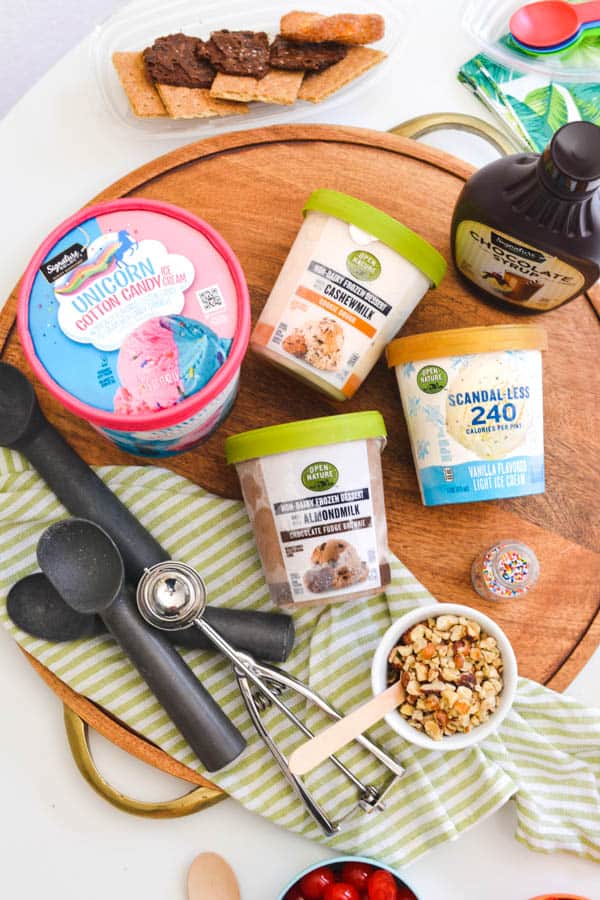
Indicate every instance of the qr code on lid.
{"type": "Point", "coordinates": [211, 299]}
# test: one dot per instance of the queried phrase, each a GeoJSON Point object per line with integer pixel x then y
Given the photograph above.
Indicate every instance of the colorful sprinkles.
{"type": "Point", "coordinates": [506, 570]}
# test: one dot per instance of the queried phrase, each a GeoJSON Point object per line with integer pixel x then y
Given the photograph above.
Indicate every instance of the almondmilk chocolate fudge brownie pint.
{"type": "Point", "coordinates": [314, 494]}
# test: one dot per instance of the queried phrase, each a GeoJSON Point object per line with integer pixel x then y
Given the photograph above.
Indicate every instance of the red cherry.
{"type": "Point", "coordinates": [294, 893]}
{"type": "Point", "coordinates": [340, 891]}
{"type": "Point", "coordinates": [313, 885]}
{"type": "Point", "coordinates": [382, 886]}
{"type": "Point", "coordinates": [357, 874]}
{"type": "Point", "coordinates": [405, 893]}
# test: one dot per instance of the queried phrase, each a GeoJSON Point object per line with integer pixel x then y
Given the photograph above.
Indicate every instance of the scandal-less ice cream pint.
{"type": "Point", "coordinates": [135, 315]}
{"type": "Point", "coordinates": [472, 400]}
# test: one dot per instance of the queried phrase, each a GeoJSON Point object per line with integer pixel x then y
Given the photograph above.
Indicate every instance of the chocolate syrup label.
{"type": "Point", "coordinates": [512, 270]}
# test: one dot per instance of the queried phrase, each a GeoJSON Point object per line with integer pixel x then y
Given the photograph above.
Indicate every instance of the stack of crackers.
{"type": "Point", "coordinates": [185, 77]}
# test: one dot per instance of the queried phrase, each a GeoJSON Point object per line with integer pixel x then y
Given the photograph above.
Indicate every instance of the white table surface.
{"type": "Point", "coordinates": [59, 839]}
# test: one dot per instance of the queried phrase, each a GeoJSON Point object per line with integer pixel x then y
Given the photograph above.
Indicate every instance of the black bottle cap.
{"type": "Point", "coordinates": [572, 158]}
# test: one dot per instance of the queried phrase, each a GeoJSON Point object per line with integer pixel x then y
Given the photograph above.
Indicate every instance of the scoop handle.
{"type": "Point", "coordinates": [86, 496]}
{"type": "Point", "coordinates": [268, 636]}
{"type": "Point", "coordinates": [213, 738]}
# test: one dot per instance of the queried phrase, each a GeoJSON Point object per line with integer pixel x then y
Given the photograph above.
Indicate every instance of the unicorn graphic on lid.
{"type": "Point", "coordinates": [104, 252]}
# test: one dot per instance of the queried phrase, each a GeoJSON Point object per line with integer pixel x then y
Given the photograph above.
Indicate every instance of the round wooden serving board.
{"type": "Point", "coordinates": [251, 186]}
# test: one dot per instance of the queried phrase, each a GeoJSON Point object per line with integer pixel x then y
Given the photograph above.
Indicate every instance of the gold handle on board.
{"type": "Point", "coordinates": [421, 125]}
{"type": "Point", "coordinates": [198, 798]}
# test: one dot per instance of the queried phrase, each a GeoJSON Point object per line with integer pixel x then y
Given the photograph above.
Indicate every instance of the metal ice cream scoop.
{"type": "Point", "coordinates": [172, 596]}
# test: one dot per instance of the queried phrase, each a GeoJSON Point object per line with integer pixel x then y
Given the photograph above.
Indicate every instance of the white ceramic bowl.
{"type": "Point", "coordinates": [392, 637]}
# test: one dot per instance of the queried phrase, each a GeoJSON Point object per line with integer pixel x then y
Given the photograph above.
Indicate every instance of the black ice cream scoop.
{"type": "Point", "coordinates": [37, 608]}
{"type": "Point", "coordinates": [85, 567]}
{"type": "Point", "coordinates": [24, 427]}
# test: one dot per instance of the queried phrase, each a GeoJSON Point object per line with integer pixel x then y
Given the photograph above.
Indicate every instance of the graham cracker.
{"type": "Point", "coordinates": [319, 85]}
{"type": "Point", "coordinates": [196, 103]}
{"type": "Point", "coordinates": [234, 87]}
{"type": "Point", "coordinates": [277, 86]}
{"type": "Point", "coordinates": [141, 93]}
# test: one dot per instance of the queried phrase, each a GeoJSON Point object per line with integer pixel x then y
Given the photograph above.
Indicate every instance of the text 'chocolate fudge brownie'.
{"type": "Point", "coordinates": [307, 55]}
{"type": "Point", "coordinates": [238, 52]}
{"type": "Point", "coordinates": [174, 60]}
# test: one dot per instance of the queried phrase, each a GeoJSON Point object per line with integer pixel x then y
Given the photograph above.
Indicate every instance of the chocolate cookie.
{"type": "Point", "coordinates": [174, 60]}
{"type": "Point", "coordinates": [237, 52]}
{"type": "Point", "coordinates": [306, 55]}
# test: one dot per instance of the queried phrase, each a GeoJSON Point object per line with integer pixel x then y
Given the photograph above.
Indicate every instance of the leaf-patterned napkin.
{"type": "Point", "coordinates": [531, 106]}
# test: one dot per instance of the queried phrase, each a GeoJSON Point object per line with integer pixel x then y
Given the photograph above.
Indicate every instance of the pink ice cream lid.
{"type": "Point", "coordinates": [135, 314]}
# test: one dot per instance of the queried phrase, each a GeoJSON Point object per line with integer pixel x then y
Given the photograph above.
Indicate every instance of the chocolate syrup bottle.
{"type": "Point", "coordinates": [526, 228]}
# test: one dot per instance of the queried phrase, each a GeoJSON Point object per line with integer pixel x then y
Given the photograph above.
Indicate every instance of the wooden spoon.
{"type": "Point", "coordinates": [310, 754]}
{"type": "Point", "coordinates": [210, 876]}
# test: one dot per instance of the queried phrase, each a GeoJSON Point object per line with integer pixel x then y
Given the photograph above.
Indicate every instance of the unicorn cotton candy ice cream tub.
{"type": "Point", "coordinates": [472, 400]}
{"type": "Point", "coordinates": [135, 314]}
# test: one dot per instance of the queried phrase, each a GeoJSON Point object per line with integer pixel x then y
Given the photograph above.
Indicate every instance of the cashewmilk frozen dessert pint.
{"type": "Point", "coordinates": [351, 279]}
{"type": "Point", "coordinates": [314, 494]}
{"type": "Point", "coordinates": [135, 315]}
{"type": "Point", "coordinates": [472, 400]}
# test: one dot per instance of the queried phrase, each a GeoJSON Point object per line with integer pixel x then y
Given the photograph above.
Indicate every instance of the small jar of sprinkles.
{"type": "Point", "coordinates": [505, 571]}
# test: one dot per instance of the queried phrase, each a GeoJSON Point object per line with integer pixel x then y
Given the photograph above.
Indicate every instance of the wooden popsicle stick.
{"type": "Point", "coordinates": [308, 755]}
{"type": "Point", "coordinates": [211, 876]}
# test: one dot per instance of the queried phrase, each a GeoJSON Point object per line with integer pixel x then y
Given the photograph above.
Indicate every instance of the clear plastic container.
{"type": "Point", "coordinates": [505, 571]}
{"type": "Point", "coordinates": [486, 21]}
{"type": "Point", "coordinates": [138, 24]}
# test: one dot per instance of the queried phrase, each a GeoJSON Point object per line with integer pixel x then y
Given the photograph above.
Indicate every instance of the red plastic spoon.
{"type": "Point", "coordinates": [551, 23]}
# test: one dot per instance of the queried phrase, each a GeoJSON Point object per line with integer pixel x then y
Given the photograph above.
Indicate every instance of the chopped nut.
{"type": "Point", "coordinates": [488, 643]}
{"type": "Point", "coordinates": [433, 687]}
{"type": "Point", "coordinates": [441, 718]}
{"type": "Point", "coordinates": [428, 652]}
{"type": "Point", "coordinates": [457, 632]}
{"type": "Point", "coordinates": [473, 628]}
{"type": "Point", "coordinates": [421, 671]}
{"type": "Point", "coordinates": [445, 622]}
{"type": "Point", "coordinates": [433, 729]}
{"type": "Point", "coordinates": [451, 672]}
{"type": "Point", "coordinates": [430, 703]}
{"type": "Point", "coordinates": [449, 697]}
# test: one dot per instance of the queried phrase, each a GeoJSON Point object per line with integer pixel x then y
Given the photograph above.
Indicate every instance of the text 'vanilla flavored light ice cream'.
{"type": "Point", "coordinates": [135, 315]}
{"type": "Point", "coordinates": [472, 400]}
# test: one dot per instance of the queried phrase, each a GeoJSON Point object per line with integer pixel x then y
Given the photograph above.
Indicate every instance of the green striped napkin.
{"type": "Point", "coordinates": [546, 755]}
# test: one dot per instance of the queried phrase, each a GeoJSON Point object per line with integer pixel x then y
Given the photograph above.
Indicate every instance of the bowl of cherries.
{"type": "Point", "coordinates": [348, 878]}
